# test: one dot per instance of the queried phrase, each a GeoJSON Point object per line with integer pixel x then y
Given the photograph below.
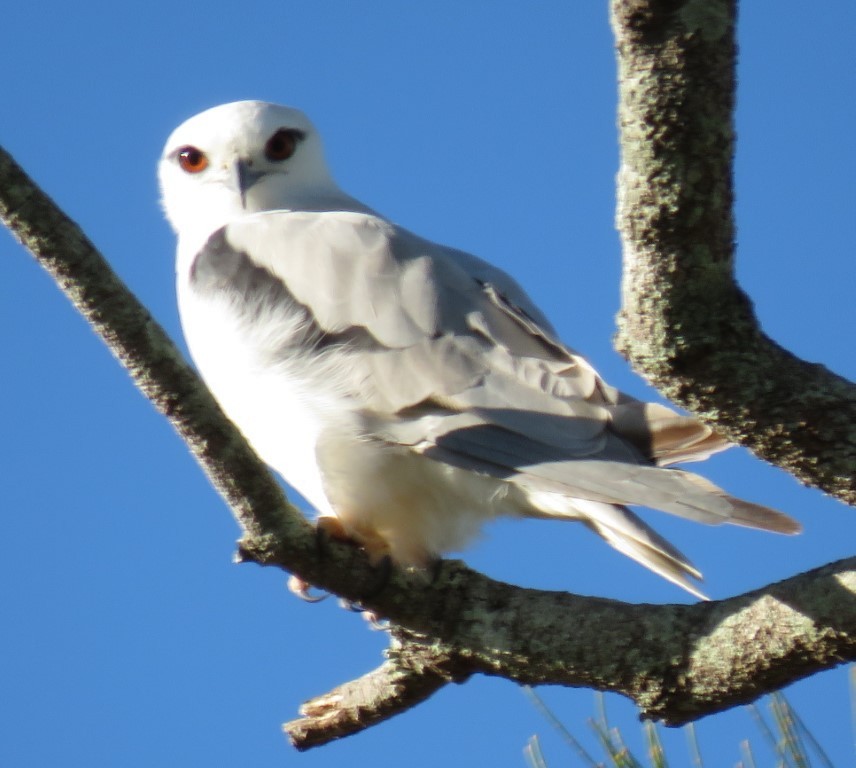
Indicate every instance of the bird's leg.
{"type": "Point", "coordinates": [328, 528]}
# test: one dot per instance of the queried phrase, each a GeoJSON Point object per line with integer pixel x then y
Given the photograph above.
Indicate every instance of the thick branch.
{"type": "Point", "coordinates": [684, 323]}
{"type": "Point", "coordinates": [676, 662]}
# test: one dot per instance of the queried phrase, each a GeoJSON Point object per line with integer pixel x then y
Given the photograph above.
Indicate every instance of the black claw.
{"type": "Point", "coordinates": [435, 569]}
{"type": "Point", "coordinates": [322, 541]}
{"type": "Point", "coordinates": [375, 622]}
{"type": "Point", "coordinates": [381, 572]}
{"type": "Point", "coordinates": [299, 587]}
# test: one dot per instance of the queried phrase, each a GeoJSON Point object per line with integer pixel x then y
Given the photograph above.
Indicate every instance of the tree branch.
{"type": "Point", "coordinates": [413, 672]}
{"type": "Point", "coordinates": [676, 662]}
{"type": "Point", "coordinates": [685, 324]}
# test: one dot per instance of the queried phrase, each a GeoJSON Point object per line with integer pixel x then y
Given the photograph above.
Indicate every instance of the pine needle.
{"type": "Point", "coordinates": [768, 734]}
{"type": "Point", "coordinates": [566, 735]}
{"type": "Point", "coordinates": [692, 745]}
{"type": "Point", "coordinates": [656, 754]}
{"type": "Point", "coordinates": [853, 703]}
{"type": "Point", "coordinates": [748, 757]}
{"type": "Point", "coordinates": [533, 754]}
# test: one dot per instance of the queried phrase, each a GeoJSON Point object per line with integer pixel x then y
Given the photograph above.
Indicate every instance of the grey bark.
{"type": "Point", "coordinates": [685, 324]}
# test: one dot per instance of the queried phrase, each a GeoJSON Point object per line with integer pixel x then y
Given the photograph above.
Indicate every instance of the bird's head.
{"type": "Point", "coordinates": [240, 158]}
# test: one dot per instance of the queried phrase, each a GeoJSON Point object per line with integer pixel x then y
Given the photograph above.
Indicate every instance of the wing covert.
{"type": "Point", "coordinates": [416, 323]}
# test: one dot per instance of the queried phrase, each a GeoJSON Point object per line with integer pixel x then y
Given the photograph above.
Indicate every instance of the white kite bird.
{"type": "Point", "coordinates": [408, 390]}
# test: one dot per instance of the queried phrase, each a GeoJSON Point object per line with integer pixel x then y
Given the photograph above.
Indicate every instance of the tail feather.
{"type": "Point", "coordinates": [664, 436]}
{"type": "Point", "coordinates": [627, 533]}
{"type": "Point", "coordinates": [671, 569]}
{"type": "Point", "coordinates": [752, 515]}
{"type": "Point", "coordinates": [746, 513]}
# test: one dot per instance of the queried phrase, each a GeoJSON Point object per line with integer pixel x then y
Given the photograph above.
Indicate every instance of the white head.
{"type": "Point", "coordinates": [240, 158]}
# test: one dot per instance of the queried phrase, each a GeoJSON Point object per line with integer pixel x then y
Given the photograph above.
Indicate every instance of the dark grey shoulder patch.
{"type": "Point", "coordinates": [220, 271]}
{"type": "Point", "coordinates": [221, 268]}
{"type": "Point", "coordinates": [216, 264]}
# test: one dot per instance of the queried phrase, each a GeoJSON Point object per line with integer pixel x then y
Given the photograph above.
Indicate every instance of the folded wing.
{"type": "Point", "coordinates": [449, 357]}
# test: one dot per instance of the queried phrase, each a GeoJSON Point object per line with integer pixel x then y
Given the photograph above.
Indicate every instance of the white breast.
{"type": "Point", "coordinates": [279, 401]}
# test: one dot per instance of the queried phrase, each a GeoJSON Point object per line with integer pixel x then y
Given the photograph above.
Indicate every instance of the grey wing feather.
{"type": "Point", "coordinates": [453, 359]}
{"type": "Point", "coordinates": [633, 537]}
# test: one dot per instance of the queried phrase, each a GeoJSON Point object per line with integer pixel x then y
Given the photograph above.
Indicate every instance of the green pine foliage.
{"type": "Point", "coordinates": [781, 728]}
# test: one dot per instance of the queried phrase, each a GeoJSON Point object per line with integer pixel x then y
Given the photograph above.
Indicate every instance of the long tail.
{"type": "Point", "coordinates": [632, 536]}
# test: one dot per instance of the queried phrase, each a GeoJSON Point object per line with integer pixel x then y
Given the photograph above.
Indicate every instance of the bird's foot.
{"type": "Point", "coordinates": [326, 529]}
{"type": "Point", "coordinates": [302, 589]}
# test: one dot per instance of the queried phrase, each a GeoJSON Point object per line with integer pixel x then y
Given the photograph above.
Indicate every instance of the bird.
{"type": "Point", "coordinates": [409, 391]}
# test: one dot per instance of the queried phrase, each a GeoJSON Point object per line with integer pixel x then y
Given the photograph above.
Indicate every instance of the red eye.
{"type": "Point", "coordinates": [282, 144]}
{"type": "Point", "coordinates": [192, 160]}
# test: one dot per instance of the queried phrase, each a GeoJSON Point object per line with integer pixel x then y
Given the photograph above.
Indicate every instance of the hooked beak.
{"type": "Point", "coordinates": [246, 176]}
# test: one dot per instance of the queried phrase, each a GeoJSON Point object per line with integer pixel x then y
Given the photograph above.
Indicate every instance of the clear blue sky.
{"type": "Point", "coordinates": [129, 638]}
